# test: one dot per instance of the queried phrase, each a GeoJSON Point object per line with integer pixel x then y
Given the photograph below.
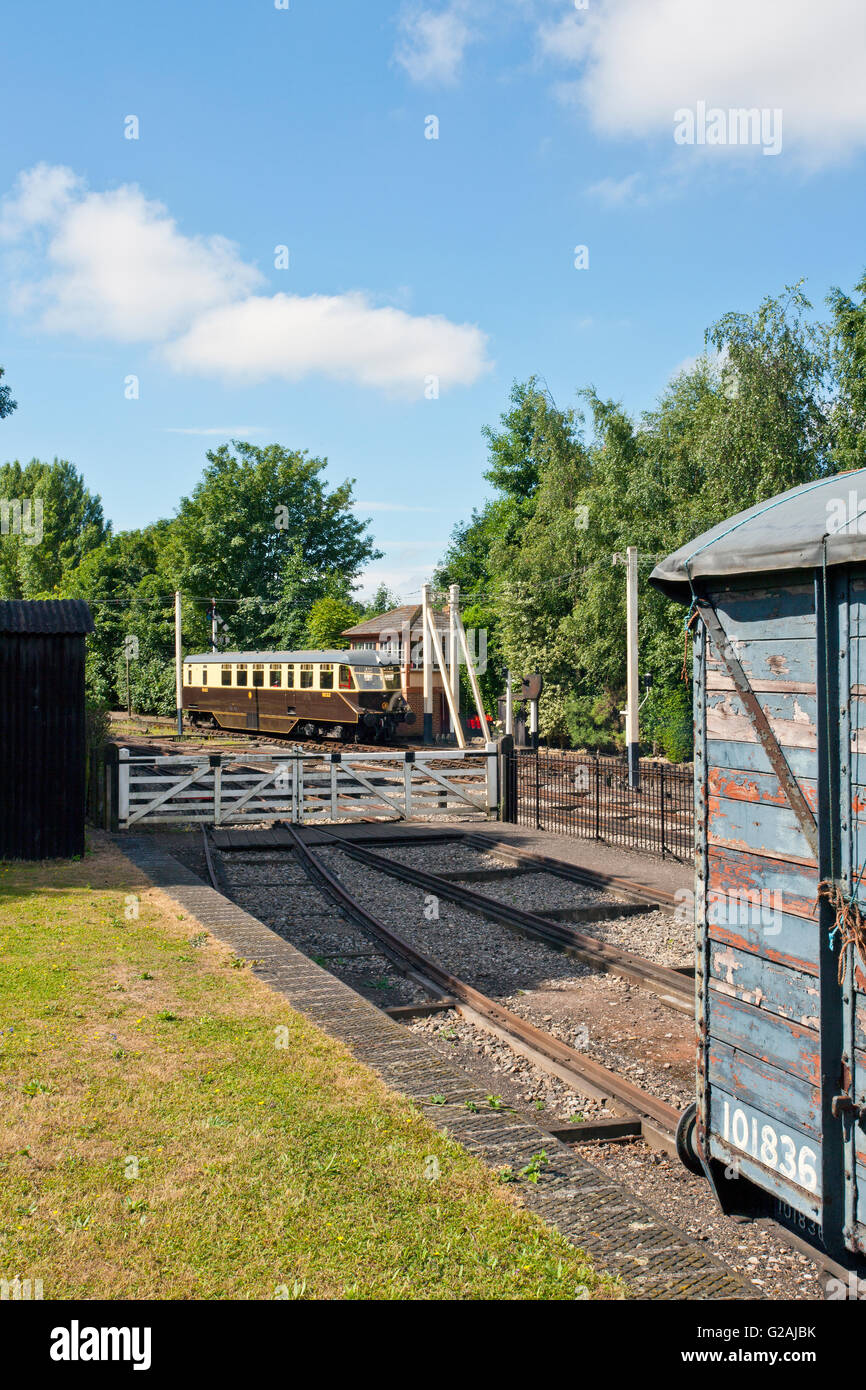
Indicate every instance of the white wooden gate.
{"type": "Point", "coordinates": [238, 788]}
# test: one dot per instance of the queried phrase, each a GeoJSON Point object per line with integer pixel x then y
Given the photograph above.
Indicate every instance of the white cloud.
{"type": "Point", "coordinates": [40, 195]}
{"type": "Point", "coordinates": [342, 336]}
{"type": "Point", "coordinates": [115, 265]}
{"type": "Point", "coordinates": [615, 192]}
{"type": "Point", "coordinates": [641, 60]}
{"type": "Point", "coordinates": [118, 267]}
{"type": "Point", "coordinates": [432, 44]}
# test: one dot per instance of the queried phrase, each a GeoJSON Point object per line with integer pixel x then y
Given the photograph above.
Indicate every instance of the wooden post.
{"type": "Point", "coordinates": [428, 665]}
{"type": "Point", "coordinates": [453, 707]}
{"type": "Point", "coordinates": [454, 651]}
{"type": "Point", "coordinates": [632, 736]}
{"type": "Point", "coordinates": [178, 663]}
{"type": "Point", "coordinates": [473, 678]}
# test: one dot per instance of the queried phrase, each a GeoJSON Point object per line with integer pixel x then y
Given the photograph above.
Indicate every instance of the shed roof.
{"type": "Point", "coordinates": [67, 616]}
{"type": "Point", "coordinates": [787, 532]}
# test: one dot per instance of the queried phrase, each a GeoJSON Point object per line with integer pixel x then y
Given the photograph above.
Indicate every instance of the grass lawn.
{"type": "Point", "coordinates": [172, 1129]}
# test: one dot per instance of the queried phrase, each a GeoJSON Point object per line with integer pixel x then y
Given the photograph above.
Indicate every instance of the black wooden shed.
{"type": "Point", "coordinates": [42, 728]}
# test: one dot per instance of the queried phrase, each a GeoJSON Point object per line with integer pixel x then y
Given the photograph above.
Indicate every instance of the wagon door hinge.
{"type": "Point", "coordinates": [760, 724]}
{"type": "Point", "coordinates": [845, 1104]}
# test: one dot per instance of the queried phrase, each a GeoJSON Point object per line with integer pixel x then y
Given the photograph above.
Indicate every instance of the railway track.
{"type": "Point", "coordinates": [671, 986]}
{"type": "Point", "coordinates": [639, 1112]}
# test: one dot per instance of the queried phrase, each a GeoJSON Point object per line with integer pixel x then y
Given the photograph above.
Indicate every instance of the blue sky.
{"type": "Point", "coordinates": [409, 258]}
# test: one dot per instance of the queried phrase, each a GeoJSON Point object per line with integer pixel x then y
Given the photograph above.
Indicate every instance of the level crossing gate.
{"type": "Point", "coordinates": [303, 788]}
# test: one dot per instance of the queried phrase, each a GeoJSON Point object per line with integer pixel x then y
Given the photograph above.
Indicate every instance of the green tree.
{"type": "Point", "coordinates": [62, 519]}
{"type": "Point", "coordinates": [131, 593]}
{"type": "Point", "coordinates": [264, 534]}
{"type": "Point", "coordinates": [847, 334]}
{"type": "Point", "coordinates": [327, 619]}
{"type": "Point", "coordinates": [382, 602]}
{"type": "Point", "coordinates": [7, 405]}
{"type": "Point", "coordinates": [750, 419]}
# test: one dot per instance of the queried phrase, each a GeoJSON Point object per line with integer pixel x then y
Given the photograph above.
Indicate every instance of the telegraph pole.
{"type": "Point", "coordinates": [213, 625]}
{"type": "Point", "coordinates": [428, 664]}
{"type": "Point", "coordinates": [509, 705]}
{"type": "Point", "coordinates": [632, 733]}
{"type": "Point", "coordinates": [178, 663]}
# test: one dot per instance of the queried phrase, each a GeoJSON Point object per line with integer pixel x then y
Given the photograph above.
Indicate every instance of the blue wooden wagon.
{"type": "Point", "coordinates": [777, 605]}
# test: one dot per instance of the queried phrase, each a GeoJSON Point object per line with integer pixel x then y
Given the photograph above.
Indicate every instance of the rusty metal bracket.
{"type": "Point", "coordinates": [760, 724]}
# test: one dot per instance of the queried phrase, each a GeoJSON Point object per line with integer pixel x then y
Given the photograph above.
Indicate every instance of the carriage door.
{"type": "Point", "coordinates": [849, 1104]}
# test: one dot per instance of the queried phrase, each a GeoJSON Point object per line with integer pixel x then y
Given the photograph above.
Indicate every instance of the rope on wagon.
{"type": "Point", "coordinates": [689, 623]}
{"type": "Point", "coordinates": [850, 925]}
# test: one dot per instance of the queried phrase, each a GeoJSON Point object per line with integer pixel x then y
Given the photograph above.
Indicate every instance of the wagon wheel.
{"type": "Point", "coordinates": [686, 1140]}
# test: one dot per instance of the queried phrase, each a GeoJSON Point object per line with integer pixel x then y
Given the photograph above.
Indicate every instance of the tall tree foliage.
{"type": "Point", "coordinates": [7, 405]}
{"type": "Point", "coordinates": [261, 533]}
{"type": "Point", "coordinates": [64, 522]}
{"type": "Point", "coordinates": [264, 534]}
{"type": "Point", "coordinates": [750, 419]}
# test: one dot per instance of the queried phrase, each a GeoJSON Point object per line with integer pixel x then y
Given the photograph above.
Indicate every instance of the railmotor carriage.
{"type": "Point", "coordinates": [347, 695]}
{"type": "Point", "coordinates": [777, 604]}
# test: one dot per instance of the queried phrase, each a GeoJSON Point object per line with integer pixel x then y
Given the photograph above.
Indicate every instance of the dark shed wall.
{"type": "Point", "coordinates": [42, 745]}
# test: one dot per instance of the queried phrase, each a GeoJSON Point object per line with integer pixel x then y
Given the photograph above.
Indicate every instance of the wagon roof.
{"type": "Point", "coordinates": [69, 617]}
{"type": "Point", "coordinates": [787, 532]}
{"type": "Point", "coordinates": [348, 658]}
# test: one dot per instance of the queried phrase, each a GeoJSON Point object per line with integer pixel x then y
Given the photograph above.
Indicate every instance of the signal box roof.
{"type": "Point", "coordinates": [795, 530]}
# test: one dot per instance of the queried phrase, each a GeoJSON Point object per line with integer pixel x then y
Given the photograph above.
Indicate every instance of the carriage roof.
{"type": "Point", "coordinates": [344, 658]}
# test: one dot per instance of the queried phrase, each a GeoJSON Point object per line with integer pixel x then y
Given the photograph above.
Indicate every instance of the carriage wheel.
{"type": "Point", "coordinates": [686, 1140]}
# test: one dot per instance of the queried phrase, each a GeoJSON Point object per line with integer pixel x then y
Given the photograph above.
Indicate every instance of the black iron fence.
{"type": "Point", "coordinates": [590, 797]}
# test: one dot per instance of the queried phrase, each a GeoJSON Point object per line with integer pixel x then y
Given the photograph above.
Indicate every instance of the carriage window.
{"type": "Point", "coordinates": [189, 675]}
{"type": "Point", "coordinates": [326, 677]}
{"type": "Point", "coordinates": [226, 673]}
{"type": "Point", "coordinates": [345, 678]}
{"type": "Point", "coordinates": [275, 677]}
{"type": "Point", "coordinates": [306, 675]}
{"type": "Point", "coordinates": [367, 679]}
{"type": "Point", "coordinates": [241, 675]}
{"type": "Point", "coordinates": [290, 677]}
{"type": "Point", "coordinates": [204, 675]}
{"type": "Point", "coordinates": [258, 673]}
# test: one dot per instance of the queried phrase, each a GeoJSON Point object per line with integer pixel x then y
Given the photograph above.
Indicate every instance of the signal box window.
{"type": "Point", "coordinates": [226, 673]}
{"type": "Point", "coordinates": [345, 678]}
{"type": "Point", "coordinates": [326, 677]}
{"type": "Point", "coordinates": [276, 676]}
{"type": "Point", "coordinates": [306, 675]}
{"type": "Point", "coordinates": [290, 677]}
{"type": "Point", "coordinates": [241, 677]}
{"type": "Point", "coordinates": [258, 673]}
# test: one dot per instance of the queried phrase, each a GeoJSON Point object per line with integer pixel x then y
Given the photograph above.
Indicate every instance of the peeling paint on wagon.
{"type": "Point", "coordinates": [764, 983]}
{"type": "Point", "coordinates": [739, 785]}
{"type": "Point", "coordinates": [757, 829]}
{"type": "Point", "coordinates": [792, 717]}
